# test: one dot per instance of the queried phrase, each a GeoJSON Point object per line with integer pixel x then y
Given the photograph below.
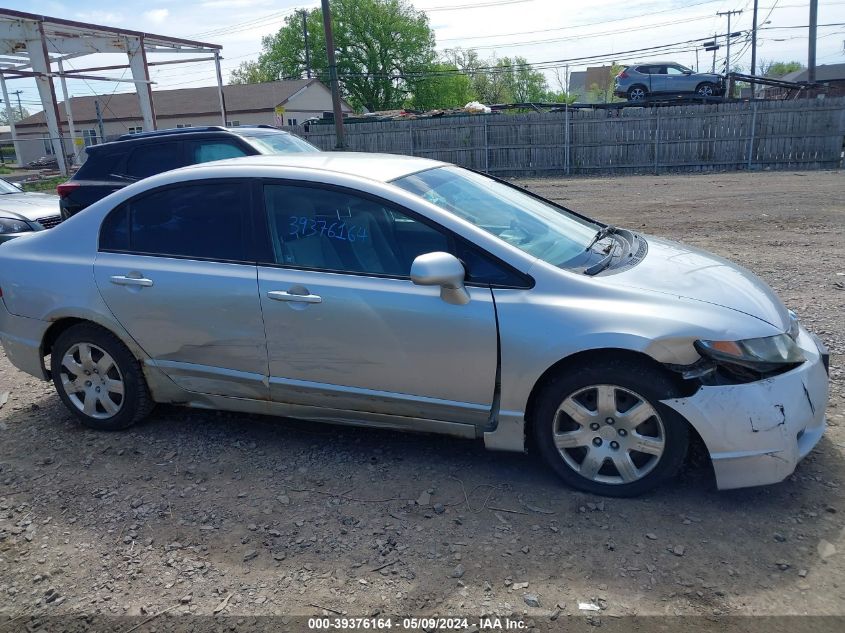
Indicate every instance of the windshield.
{"type": "Point", "coordinates": [7, 187]}
{"type": "Point", "coordinates": [279, 143]}
{"type": "Point", "coordinates": [532, 225]}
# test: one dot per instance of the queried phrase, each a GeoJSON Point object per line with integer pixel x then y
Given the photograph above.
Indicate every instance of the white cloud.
{"type": "Point", "coordinates": [106, 18]}
{"type": "Point", "coordinates": [157, 16]}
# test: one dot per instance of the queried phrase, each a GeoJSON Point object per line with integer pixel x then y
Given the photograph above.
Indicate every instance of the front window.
{"type": "Point", "coordinates": [279, 143]}
{"type": "Point", "coordinates": [677, 70]}
{"type": "Point", "coordinates": [528, 223]}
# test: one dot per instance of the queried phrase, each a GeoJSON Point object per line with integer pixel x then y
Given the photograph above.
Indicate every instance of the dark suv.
{"type": "Point", "coordinates": [114, 165]}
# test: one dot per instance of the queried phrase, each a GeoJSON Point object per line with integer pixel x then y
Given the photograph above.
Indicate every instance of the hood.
{"type": "Point", "coordinates": [29, 205]}
{"type": "Point", "coordinates": [680, 270]}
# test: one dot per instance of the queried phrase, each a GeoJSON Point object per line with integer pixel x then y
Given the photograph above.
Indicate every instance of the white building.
{"type": "Point", "coordinates": [273, 103]}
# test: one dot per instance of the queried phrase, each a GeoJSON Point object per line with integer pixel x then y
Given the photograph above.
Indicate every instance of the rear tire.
{"type": "Point", "coordinates": [98, 378]}
{"type": "Point", "coordinates": [603, 429]}
{"type": "Point", "coordinates": [637, 93]}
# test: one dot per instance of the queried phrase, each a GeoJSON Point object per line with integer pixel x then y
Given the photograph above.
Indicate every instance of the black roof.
{"type": "Point", "coordinates": [189, 130]}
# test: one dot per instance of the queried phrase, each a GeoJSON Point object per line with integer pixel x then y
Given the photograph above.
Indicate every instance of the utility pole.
{"type": "Point", "coordinates": [728, 38]}
{"type": "Point", "coordinates": [696, 59]}
{"type": "Point", "coordinates": [753, 43]}
{"type": "Point", "coordinates": [753, 46]}
{"type": "Point", "coordinates": [811, 53]}
{"type": "Point", "coordinates": [100, 121]}
{"type": "Point", "coordinates": [18, 93]}
{"type": "Point", "coordinates": [715, 48]}
{"type": "Point", "coordinates": [335, 85]}
{"type": "Point", "coordinates": [307, 49]}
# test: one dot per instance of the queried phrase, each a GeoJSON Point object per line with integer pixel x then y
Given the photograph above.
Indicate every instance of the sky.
{"type": "Point", "coordinates": [562, 32]}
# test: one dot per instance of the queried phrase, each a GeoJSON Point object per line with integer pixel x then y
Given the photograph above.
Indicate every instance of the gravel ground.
{"type": "Point", "coordinates": [201, 512]}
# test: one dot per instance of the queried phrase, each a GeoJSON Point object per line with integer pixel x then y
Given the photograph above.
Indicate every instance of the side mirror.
{"type": "Point", "coordinates": [444, 270]}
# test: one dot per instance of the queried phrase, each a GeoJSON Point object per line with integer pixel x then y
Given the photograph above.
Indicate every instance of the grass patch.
{"type": "Point", "coordinates": [48, 185]}
{"type": "Point", "coordinates": [5, 170]}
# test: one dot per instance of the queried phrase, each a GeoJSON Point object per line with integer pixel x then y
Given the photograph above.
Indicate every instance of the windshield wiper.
{"type": "Point", "coordinates": [602, 233]}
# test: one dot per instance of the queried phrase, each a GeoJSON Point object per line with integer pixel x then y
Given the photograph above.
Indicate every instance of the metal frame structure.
{"type": "Point", "coordinates": [30, 45]}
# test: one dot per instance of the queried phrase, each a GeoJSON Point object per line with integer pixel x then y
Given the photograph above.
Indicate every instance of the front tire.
{"type": "Point", "coordinates": [603, 429]}
{"type": "Point", "coordinates": [707, 90]}
{"type": "Point", "coordinates": [98, 378]}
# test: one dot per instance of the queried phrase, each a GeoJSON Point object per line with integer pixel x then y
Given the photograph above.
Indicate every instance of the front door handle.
{"type": "Point", "coordinates": [122, 280]}
{"type": "Point", "coordinates": [281, 295]}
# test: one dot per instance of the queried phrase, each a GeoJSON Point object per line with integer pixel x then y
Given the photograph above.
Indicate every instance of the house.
{"type": "Point", "coordinates": [594, 83]}
{"type": "Point", "coordinates": [272, 103]}
{"type": "Point", "coordinates": [830, 76]}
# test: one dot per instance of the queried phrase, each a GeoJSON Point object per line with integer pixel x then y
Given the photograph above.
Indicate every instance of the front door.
{"type": "Point", "coordinates": [173, 268]}
{"type": "Point", "coordinates": [346, 328]}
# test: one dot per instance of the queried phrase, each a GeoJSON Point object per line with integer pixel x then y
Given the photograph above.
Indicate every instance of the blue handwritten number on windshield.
{"type": "Point", "coordinates": [306, 227]}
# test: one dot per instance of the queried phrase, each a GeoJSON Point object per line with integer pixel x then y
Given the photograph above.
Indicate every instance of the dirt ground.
{"type": "Point", "coordinates": [199, 512]}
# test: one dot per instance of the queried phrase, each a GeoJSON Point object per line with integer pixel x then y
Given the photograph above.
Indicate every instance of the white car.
{"type": "Point", "coordinates": [407, 293]}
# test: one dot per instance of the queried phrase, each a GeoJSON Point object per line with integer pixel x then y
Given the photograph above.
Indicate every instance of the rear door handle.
{"type": "Point", "coordinates": [122, 280]}
{"type": "Point", "coordinates": [281, 295]}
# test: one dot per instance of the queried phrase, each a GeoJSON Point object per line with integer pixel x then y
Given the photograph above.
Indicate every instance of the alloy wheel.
{"type": "Point", "coordinates": [636, 94]}
{"type": "Point", "coordinates": [706, 91]}
{"type": "Point", "coordinates": [609, 434]}
{"type": "Point", "coordinates": [92, 381]}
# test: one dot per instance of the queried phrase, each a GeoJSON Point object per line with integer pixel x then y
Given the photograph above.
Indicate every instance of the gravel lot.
{"type": "Point", "coordinates": [202, 512]}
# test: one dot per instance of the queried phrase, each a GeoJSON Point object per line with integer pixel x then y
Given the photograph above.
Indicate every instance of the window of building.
{"type": "Point", "coordinates": [202, 221]}
{"type": "Point", "coordinates": [136, 130]}
{"type": "Point", "coordinates": [48, 146]}
{"type": "Point", "coordinates": [181, 125]}
{"type": "Point", "coordinates": [292, 122]}
{"type": "Point", "coordinates": [233, 123]}
{"type": "Point", "coordinates": [89, 137]}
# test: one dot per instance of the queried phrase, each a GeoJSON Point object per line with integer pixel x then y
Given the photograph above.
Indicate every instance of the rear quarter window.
{"type": "Point", "coordinates": [100, 165]}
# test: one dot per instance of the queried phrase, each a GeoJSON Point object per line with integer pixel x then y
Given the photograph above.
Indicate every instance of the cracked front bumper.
{"type": "Point", "coordinates": [756, 433]}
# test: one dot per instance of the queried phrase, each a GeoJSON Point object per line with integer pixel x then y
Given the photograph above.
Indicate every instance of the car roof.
{"type": "Point", "coordinates": [128, 140]}
{"type": "Point", "coordinates": [380, 167]}
{"type": "Point", "coordinates": [657, 63]}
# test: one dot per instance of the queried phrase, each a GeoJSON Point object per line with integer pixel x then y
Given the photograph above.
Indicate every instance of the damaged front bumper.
{"type": "Point", "coordinates": [757, 432]}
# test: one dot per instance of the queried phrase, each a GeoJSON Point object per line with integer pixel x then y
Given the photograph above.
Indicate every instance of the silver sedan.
{"type": "Point", "coordinates": [411, 294]}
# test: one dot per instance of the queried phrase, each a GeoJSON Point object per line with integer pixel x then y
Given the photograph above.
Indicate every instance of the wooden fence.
{"type": "Point", "coordinates": [805, 134]}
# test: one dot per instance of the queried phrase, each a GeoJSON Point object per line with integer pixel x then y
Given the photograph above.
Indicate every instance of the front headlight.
{"type": "Point", "coordinates": [10, 225]}
{"type": "Point", "coordinates": [759, 354]}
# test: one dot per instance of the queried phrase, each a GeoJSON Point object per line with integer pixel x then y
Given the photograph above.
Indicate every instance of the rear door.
{"type": "Point", "coordinates": [174, 269]}
{"type": "Point", "coordinates": [657, 74]}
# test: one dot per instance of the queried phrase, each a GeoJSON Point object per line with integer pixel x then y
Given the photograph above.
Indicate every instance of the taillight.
{"type": "Point", "coordinates": [65, 189]}
{"type": "Point", "coordinates": [622, 75]}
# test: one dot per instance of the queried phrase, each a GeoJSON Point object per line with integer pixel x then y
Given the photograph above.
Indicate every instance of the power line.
{"type": "Point", "coordinates": [480, 5]}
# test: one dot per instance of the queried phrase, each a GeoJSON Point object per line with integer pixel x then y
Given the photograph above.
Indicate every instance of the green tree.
{"type": "Point", "coordinates": [383, 49]}
{"type": "Point", "coordinates": [522, 84]}
{"type": "Point", "coordinates": [779, 69]}
{"type": "Point", "coordinates": [445, 87]}
{"type": "Point", "coordinates": [16, 114]}
{"type": "Point", "coordinates": [603, 93]}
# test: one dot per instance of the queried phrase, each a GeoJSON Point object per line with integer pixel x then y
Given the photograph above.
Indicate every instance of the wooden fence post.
{"type": "Point", "coordinates": [566, 140]}
{"type": "Point", "coordinates": [486, 147]}
{"type": "Point", "coordinates": [753, 132]}
{"type": "Point", "coordinates": [656, 141]}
